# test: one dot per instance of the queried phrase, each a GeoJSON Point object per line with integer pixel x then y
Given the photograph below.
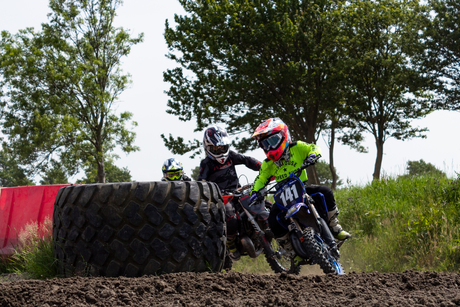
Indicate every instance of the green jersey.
{"type": "Point", "coordinates": [299, 152]}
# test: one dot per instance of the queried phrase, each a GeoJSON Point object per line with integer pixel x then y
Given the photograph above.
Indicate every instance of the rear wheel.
{"type": "Point", "coordinates": [139, 228]}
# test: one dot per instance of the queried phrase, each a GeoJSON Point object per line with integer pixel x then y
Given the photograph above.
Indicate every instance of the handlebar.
{"type": "Point", "coordinates": [306, 164]}
{"type": "Point", "coordinates": [297, 172]}
{"type": "Point", "coordinates": [237, 191]}
{"type": "Point", "coordinates": [264, 192]}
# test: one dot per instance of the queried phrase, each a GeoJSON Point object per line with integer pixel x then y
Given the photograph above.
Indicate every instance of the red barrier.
{"type": "Point", "coordinates": [23, 205]}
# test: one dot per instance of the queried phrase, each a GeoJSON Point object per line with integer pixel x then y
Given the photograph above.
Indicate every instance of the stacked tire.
{"type": "Point", "coordinates": [139, 228]}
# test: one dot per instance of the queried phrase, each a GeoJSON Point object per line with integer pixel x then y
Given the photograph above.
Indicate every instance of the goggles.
{"type": "Point", "coordinates": [271, 142]}
{"type": "Point", "coordinates": [173, 175]}
{"type": "Point", "coordinates": [218, 150]}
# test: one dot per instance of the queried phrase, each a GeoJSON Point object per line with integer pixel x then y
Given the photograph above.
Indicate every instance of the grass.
{"type": "Point", "coordinates": [33, 256]}
{"type": "Point", "coordinates": [260, 266]}
{"type": "Point", "coordinates": [402, 223]}
{"type": "Point", "coordinates": [252, 265]}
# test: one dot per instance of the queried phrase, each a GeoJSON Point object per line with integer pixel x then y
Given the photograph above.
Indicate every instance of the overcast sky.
{"type": "Point", "coordinates": [147, 101]}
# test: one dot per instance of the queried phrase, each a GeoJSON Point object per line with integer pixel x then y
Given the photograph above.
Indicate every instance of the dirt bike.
{"type": "Point", "coordinates": [253, 238]}
{"type": "Point", "coordinates": [309, 234]}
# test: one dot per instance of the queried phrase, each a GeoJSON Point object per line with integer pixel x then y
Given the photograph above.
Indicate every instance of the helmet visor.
{"type": "Point", "coordinates": [271, 142]}
{"type": "Point", "coordinates": [173, 175]}
{"type": "Point", "coordinates": [218, 150]}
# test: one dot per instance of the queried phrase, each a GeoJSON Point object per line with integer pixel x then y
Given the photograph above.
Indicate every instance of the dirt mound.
{"type": "Point", "coordinates": [234, 289]}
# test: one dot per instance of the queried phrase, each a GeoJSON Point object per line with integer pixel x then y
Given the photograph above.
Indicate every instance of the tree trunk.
{"type": "Point", "coordinates": [331, 158]}
{"type": "Point", "coordinates": [100, 152]}
{"type": "Point", "coordinates": [101, 171]}
{"type": "Point", "coordinates": [378, 162]}
{"type": "Point", "coordinates": [312, 175]}
{"type": "Point", "coordinates": [311, 171]}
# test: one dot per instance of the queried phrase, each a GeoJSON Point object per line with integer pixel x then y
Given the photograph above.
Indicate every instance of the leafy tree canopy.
{"type": "Point", "coordinates": [420, 168]}
{"type": "Point", "coordinates": [244, 61]}
{"type": "Point", "coordinates": [195, 173]}
{"type": "Point", "coordinates": [60, 86]}
{"type": "Point", "coordinates": [343, 65]}
{"type": "Point", "coordinates": [442, 51]}
{"type": "Point", "coordinates": [385, 90]}
{"type": "Point", "coordinates": [12, 174]}
{"type": "Point", "coordinates": [324, 174]}
{"type": "Point", "coordinates": [55, 175]}
{"type": "Point", "coordinates": [113, 173]}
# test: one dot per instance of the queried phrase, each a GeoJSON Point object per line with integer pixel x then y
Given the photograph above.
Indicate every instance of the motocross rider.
{"type": "Point", "coordinates": [284, 157]}
{"type": "Point", "coordinates": [173, 171]}
{"type": "Point", "coordinates": [219, 167]}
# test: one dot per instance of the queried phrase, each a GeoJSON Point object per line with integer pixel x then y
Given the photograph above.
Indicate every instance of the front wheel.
{"type": "Point", "coordinates": [281, 262]}
{"type": "Point", "coordinates": [318, 253]}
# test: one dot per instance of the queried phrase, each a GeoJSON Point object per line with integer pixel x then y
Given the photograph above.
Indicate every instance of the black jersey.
{"type": "Point", "coordinates": [225, 174]}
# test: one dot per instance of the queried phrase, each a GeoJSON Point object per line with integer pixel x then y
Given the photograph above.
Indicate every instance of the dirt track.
{"type": "Point", "coordinates": [234, 289]}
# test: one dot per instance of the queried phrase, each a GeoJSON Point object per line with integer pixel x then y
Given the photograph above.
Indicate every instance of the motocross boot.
{"type": "Point", "coordinates": [299, 261]}
{"type": "Point", "coordinates": [336, 230]}
{"type": "Point", "coordinates": [286, 244]}
{"type": "Point", "coordinates": [233, 252]}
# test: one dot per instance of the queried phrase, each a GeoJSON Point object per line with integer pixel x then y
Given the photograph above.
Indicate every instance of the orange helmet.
{"type": "Point", "coordinates": [273, 137]}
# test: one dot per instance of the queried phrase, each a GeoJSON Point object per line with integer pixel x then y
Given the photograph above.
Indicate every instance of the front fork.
{"type": "Point", "coordinates": [268, 250]}
{"type": "Point", "coordinates": [297, 238]}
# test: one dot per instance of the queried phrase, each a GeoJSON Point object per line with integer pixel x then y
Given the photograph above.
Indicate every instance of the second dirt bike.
{"type": "Point", "coordinates": [253, 237]}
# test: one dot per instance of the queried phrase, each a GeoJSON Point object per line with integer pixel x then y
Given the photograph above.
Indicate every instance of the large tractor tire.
{"type": "Point", "coordinates": [139, 228]}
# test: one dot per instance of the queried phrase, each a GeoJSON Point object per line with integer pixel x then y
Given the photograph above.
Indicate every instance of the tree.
{"type": "Point", "coordinates": [420, 168]}
{"type": "Point", "coordinates": [385, 91]}
{"type": "Point", "coordinates": [60, 86]}
{"type": "Point", "coordinates": [245, 61]}
{"type": "Point", "coordinates": [195, 173]}
{"type": "Point", "coordinates": [325, 176]}
{"type": "Point", "coordinates": [55, 175]}
{"type": "Point", "coordinates": [11, 174]}
{"type": "Point", "coordinates": [340, 127]}
{"type": "Point", "coordinates": [113, 173]}
{"type": "Point", "coordinates": [442, 52]}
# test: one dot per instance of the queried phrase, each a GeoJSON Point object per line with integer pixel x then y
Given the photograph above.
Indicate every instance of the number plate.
{"type": "Point", "coordinates": [290, 193]}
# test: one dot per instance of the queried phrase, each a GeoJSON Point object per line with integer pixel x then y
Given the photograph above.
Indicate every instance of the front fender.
{"type": "Point", "coordinates": [295, 209]}
{"type": "Point", "coordinates": [305, 217]}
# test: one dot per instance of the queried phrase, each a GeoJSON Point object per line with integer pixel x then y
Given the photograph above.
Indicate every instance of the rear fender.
{"type": "Point", "coordinates": [227, 198]}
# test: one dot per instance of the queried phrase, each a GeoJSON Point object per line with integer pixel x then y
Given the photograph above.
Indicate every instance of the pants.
{"type": "Point", "coordinates": [232, 221]}
{"type": "Point", "coordinates": [279, 231]}
{"type": "Point", "coordinates": [328, 197]}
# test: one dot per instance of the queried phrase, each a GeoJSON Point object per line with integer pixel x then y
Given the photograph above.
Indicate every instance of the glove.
{"type": "Point", "coordinates": [311, 159]}
{"type": "Point", "coordinates": [254, 197]}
